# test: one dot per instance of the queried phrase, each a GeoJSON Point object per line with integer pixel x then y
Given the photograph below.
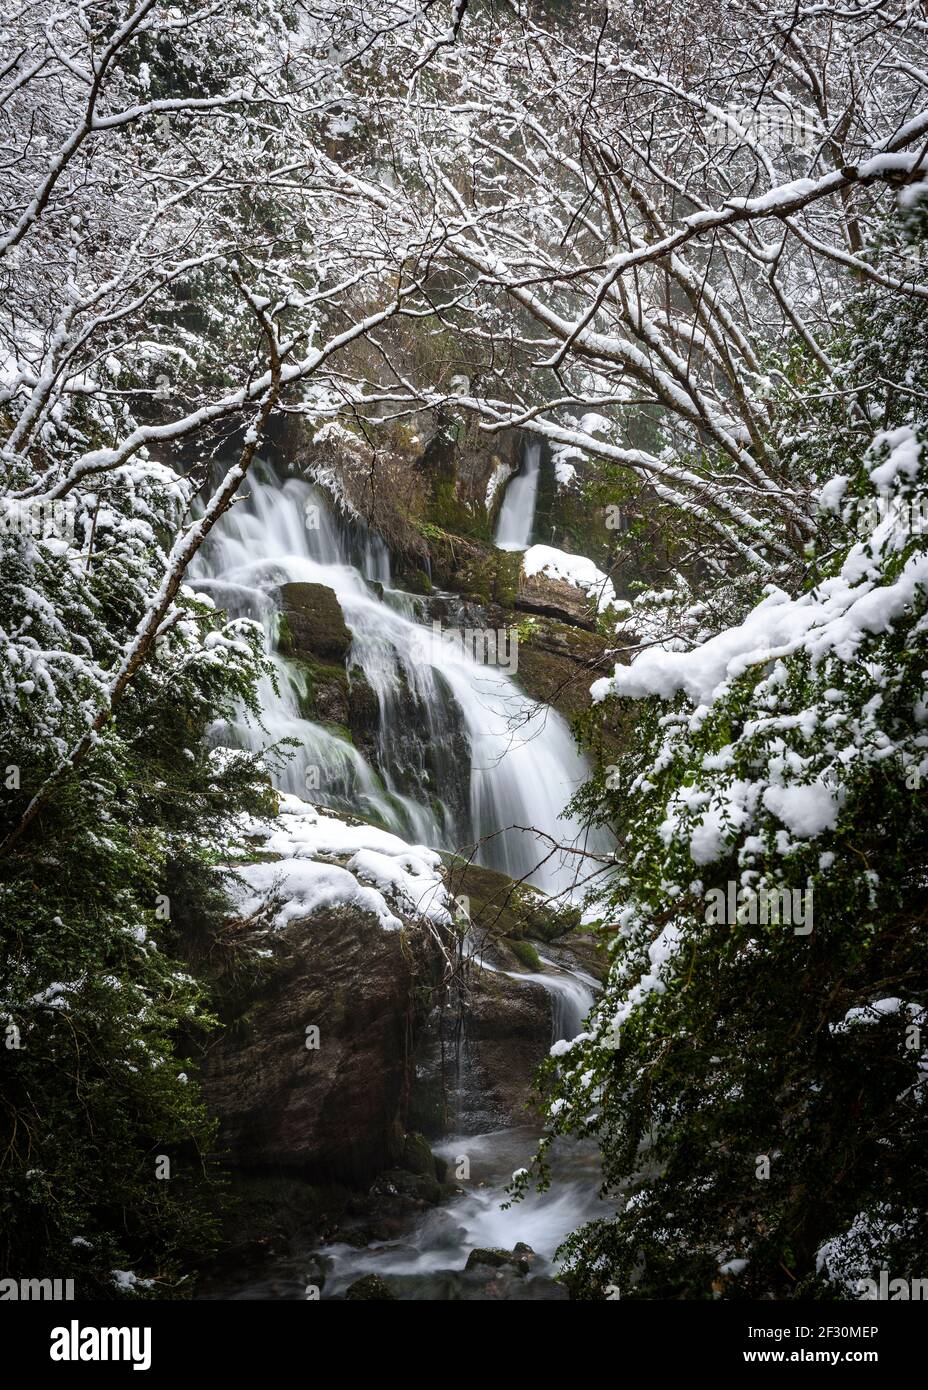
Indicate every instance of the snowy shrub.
{"type": "Point", "coordinates": [756, 1075]}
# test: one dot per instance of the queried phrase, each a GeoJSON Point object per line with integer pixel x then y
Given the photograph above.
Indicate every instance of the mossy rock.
{"type": "Point", "coordinates": [325, 695]}
{"type": "Point", "coordinates": [507, 568]}
{"type": "Point", "coordinates": [397, 1183]}
{"type": "Point", "coordinates": [448, 507]}
{"type": "Point", "coordinates": [557, 662]}
{"type": "Point", "coordinates": [507, 909]}
{"type": "Point", "coordinates": [371, 1289]}
{"type": "Point", "coordinates": [460, 563]}
{"type": "Point", "coordinates": [363, 713]}
{"type": "Point", "coordinates": [337, 730]}
{"type": "Point", "coordinates": [417, 1157]}
{"type": "Point", "coordinates": [494, 1259]}
{"type": "Point", "coordinates": [312, 623]}
{"type": "Point", "coordinates": [419, 582]}
{"type": "Point", "coordinates": [524, 953]}
{"type": "Point", "coordinates": [519, 1258]}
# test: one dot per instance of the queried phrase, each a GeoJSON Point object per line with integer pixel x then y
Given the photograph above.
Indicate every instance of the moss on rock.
{"type": "Point", "coordinates": [499, 905]}
{"type": "Point", "coordinates": [312, 623]}
{"type": "Point", "coordinates": [524, 953]}
{"type": "Point", "coordinates": [370, 1289]}
{"type": "Point", "coordinates": [324, 693]}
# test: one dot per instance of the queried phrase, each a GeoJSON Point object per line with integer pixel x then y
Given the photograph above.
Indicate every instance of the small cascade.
{"type": "Point", "coordinates": [571, 1001]}
{"type": "Point", "coordinates": [460, 756]}
{"type": "Point", "coordinates": [517, 514]}
{"type": "Point", "coordinates": [571, 993]}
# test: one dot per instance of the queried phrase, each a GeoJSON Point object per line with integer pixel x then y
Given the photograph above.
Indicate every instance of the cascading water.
{"type": "Point", "coordinates": [481, 757]}
{"type": "Point", "coordinates": [517, 514]}
{"type": "Point", "coordinates": [570, 992]}
{"type": "Point", "coordinates": [427, 1259]}
{"type": "Point", "coordinates": [457, 757]}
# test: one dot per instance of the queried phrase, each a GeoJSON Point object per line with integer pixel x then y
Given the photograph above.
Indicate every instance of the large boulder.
{"type": "Point", "coordinates": [555, 598]}
{"type": "Point", "coordinates": [336, 1111]}
{"type": "Point", "coordinates": [519, 1257]}
{"type": "Point", "coordinates": [312, 623]}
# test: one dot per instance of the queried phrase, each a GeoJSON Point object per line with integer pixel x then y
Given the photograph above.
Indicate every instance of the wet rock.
{"type": "Point", "coordinates": [317, 1269]}
{"type": "Point", "coordinates": [507, 1032]}
{"type": "Point", "coordinates": [519, 1258]}
{"type": "Point", "coordinates": [325, 697]}
{"type": "Point", "coordinates": [440, 1231]}
{"type": "Point", "coordinates": [494, 1258]}
{"type": "Point", "coordinates": [580, 951]}
{"type": "Point", "coordinates": [370, 1289]}
{"type": "Point", "coordinates": [312, 623]}
{"type": "Point", "coordinates": [417, 1157]}
{"type": "Point", "coordinates": [363, 713]}
{"type": "Point", "coordinates": [417, 1187]}
{"type": "Point", "coordinates": [335, 1113]}
{"type": "Point", "coordinates": [389, 1227]}
{"type": "Point", "coordinates": [421, 748]}
{"type": "Point", "coordinates": [474, 1070]}
{"type": "Point", "coordinates": [357, 1237]}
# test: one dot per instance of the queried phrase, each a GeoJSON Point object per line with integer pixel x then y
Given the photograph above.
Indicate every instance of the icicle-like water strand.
{"type": "Point", "coordinates": [461, 754]}
{"type": "Point", "coordinates": [517, 514]}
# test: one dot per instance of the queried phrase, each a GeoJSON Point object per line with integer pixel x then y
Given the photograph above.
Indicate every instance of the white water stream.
{"type": "Point", "coordinates": [517, 514]}
{"type": "Point", "coordinates": [462, 755]}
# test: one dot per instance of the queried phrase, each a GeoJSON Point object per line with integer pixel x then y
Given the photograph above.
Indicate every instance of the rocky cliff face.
{"type": "Point", "coordinates": [353, 1037]}
{"type": "Point", "coordinates": [332, 1102]}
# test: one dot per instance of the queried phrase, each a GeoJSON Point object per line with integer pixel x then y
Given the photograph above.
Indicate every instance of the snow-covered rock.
{"type": "Point", "coordinates": [323, 861]}
{"type": "Point", "coordinates": [575, 570]}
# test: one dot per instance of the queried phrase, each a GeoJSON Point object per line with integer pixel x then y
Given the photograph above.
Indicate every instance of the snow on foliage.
{"type": "Point", "coordinates": [833, 619]}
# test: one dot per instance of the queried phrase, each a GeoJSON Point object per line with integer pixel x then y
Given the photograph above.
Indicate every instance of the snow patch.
{"type": "Point", "coordinates": [323, 862]}
{"type": "Point", "coordinates": [575, 570]}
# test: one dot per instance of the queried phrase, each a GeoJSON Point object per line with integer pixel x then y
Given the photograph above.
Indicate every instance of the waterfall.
{"type": "Point", "coordinates": [517, 514]}
{"type": "Point", "coordinates": [460, 753]}
{"type": "Point", "coordinates": [571, 992]}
